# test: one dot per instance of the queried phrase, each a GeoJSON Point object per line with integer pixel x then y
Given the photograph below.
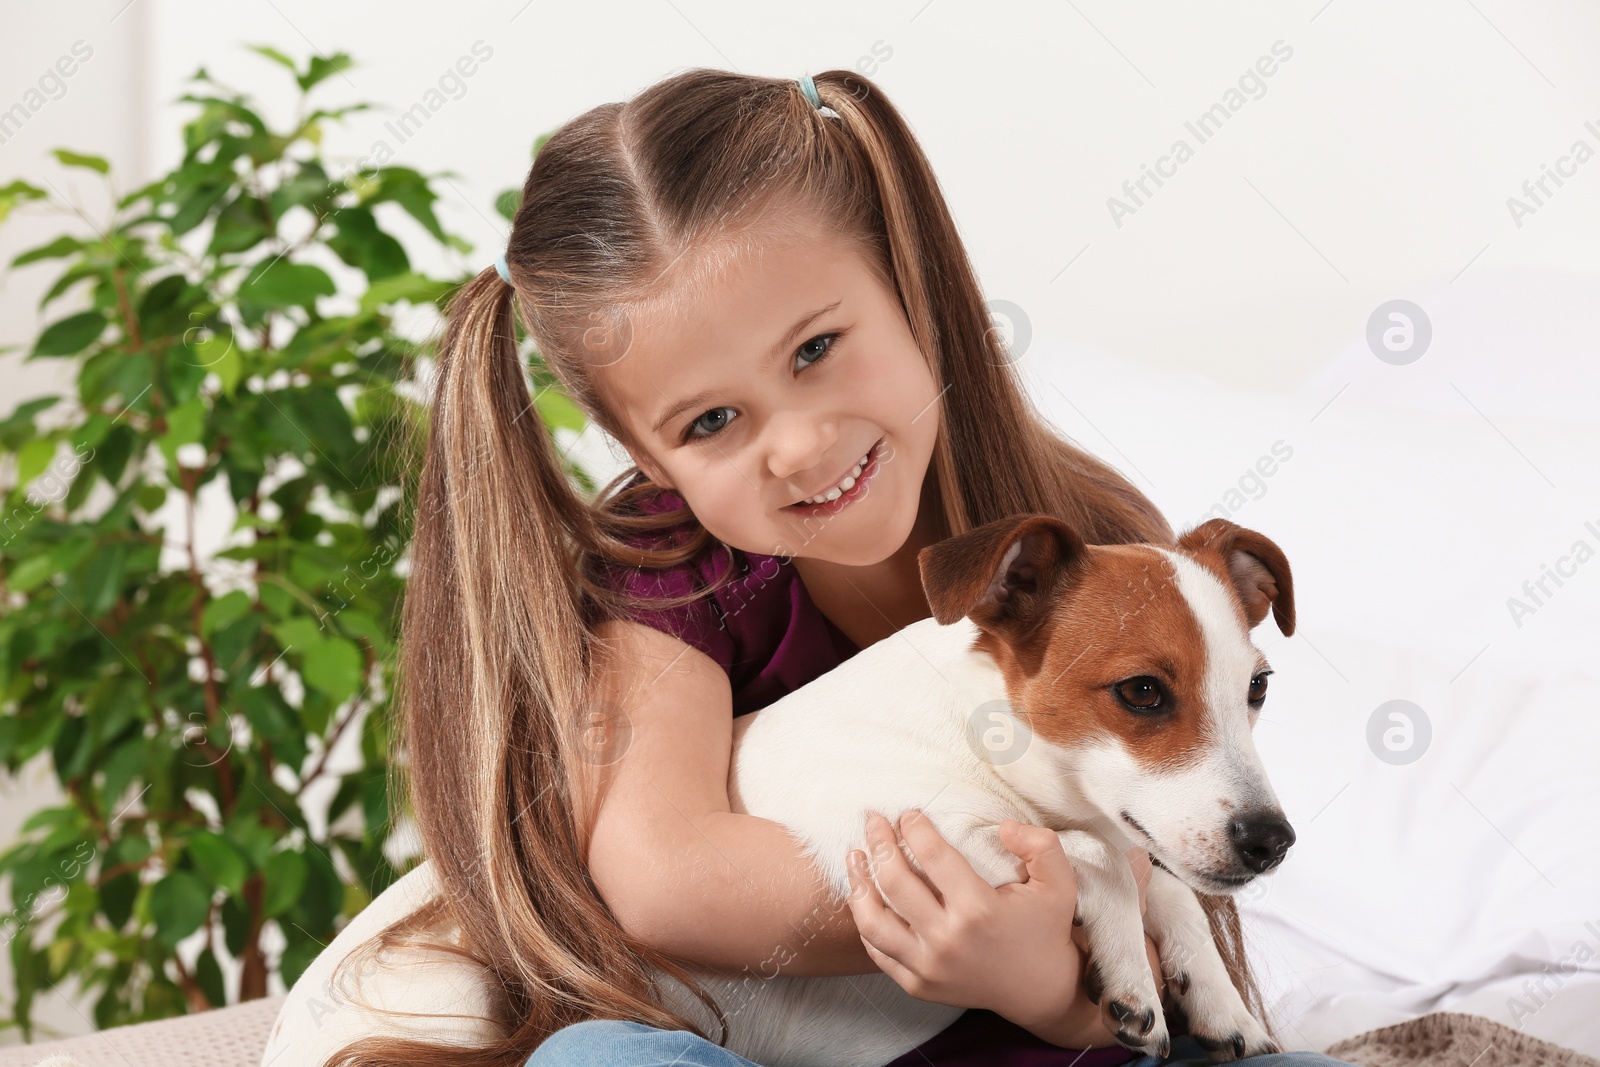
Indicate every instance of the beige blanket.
{"type": "Point", "coordinates": [1454, 1039]}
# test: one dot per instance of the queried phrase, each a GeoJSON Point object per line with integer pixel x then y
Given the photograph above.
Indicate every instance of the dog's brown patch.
{"type": "Point", "coordinates": [1121, 617]}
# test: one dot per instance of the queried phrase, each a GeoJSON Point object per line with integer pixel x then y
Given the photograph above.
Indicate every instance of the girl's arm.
{"type": "Point", "coordinates": [690, 877]}
{"type": "Point", "coordinates": [677, 867]}
{"type": "Point", "coordinates": [754, 900]}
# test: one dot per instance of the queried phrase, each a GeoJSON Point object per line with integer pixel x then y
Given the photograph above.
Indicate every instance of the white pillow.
{"type": "Point", "coordinates": [317, 1020]}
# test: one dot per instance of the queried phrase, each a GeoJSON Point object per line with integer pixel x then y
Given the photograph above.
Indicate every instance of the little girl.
{"type": "Point", "coordinates": [755, 286]}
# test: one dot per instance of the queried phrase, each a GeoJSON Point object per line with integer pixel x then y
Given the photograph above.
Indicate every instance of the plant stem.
{"type": "Point", "coordinates": [212, 697]}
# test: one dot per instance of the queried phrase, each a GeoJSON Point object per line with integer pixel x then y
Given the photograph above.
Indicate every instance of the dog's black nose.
{"type": "Point", "coordinates": [1261, 840]}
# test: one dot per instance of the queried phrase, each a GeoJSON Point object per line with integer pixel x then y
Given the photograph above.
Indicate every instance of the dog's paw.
{"type": "Point", "coordinates": [1218, 1021]}
{"type": "Point", "coordinates": [1236, 1046]}
{"type": "Point", "coordinates": [1131, 1013]}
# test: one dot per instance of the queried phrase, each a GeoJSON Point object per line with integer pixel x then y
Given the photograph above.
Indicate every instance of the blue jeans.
{"type": "Point", "coordinates": [614, 1043]}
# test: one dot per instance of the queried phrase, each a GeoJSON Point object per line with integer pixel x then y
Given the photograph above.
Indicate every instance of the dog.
{"type": "Point", "coordinates": [1125, 684]}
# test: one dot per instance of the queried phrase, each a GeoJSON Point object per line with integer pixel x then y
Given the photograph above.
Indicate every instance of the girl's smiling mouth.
{"type": "Point", "coordinates": [846, 497]}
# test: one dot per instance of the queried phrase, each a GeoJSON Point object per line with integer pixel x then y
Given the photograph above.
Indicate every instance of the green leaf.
{"type": "Point", "coordinates": [185, 425]}
{"type": "Point", "coordinates": [235, 926]}
{"type": "Point", "coordinates": [70, 335]}
{"type": "Point", "coordinates": [286, 878]}
{"type": "Point", "coordinates": [61, 246]}
{"type": "Point", "coordinates": [18, 192]}
{"type": "Point", "coordinates": [117, 897]}
{"type": "Point", "coordinates": [407, 288]}
{"type": "Point", "coordinates": [70, 750]}
{"type": "Point", "coordinates": [125, 764]}
{"type": "Point", "coordinates": [361, 624]}
{"type": "Point", "coordinates": [208, 976]}
{"type": "Point", "coordinates": [318, 411]}
{"type": "Point", "coordinates": [508, 202]}
{"type": "Point", "coordinates": [31, 573]}
{"type": "Point", "coordinates": [309, 187]}
{"type": "Point", "coordinates": [195, 205]}
{"type": "Point", "coordinates": [247, 834]}
{"type": "Point", "coordinates": [103, 579]}
{"type": "Point", "coordinates": [230, 642]}
{"type": "Point", "coordinates": [558, 411]}
{"type": "Point", "coordinates": [179, 903]}
{"type": "Point", "coordinates": [320, 68]}
{"type": "Point", "coordinates": [274, 55]}
{"type": "Point", "coordinates": [411, 191]}
{"type": "Point", "coordinates": [332, 666]}
{"type": "Point", "coordinates": [33, 458]}
{"type": "Point", "coordinates": [112, 453]}
{"type": "Point", "coordinates": [375, 800]}
{"type": "Point", "coordinates": [72, 276]}
{"type": "Point", "coordinates": [297, 956]}
{"type": "Point", "coordinates": [278, 283]}
{"type": "Point", "coordinates": [278, 601]}
{"type": "Point", "coordinates": [241, 225]}
{"type": "Point", "coordinates": [361, 244]}
{"type": "Point", "coordinates": [298, 632]}
{"type": "Point", "coordinates": [150, 497]}
{"type": "Point", "coordinates": [77, 159]}
{"type": "Point", "coordinates": [223, 610]}
{"type": "Point", "coordinates": [160, 313]}
{"type": "Point", "coordinates": [219, 860]}
{"type": "Point", "coordinates": [217, 354]}
{"type": "Point", "coordinates": [18, 426]}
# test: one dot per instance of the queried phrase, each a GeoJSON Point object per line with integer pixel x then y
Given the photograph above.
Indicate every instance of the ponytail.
{"type": "Point", "coordinates": [491, 692]}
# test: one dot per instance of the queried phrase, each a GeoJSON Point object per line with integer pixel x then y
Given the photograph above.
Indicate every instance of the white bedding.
{"type": "Point", "coordinates": [1411, 507]}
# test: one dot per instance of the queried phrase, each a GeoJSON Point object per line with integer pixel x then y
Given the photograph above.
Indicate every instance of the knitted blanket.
{"type": "Point", "coordinates": [1453, 1039]}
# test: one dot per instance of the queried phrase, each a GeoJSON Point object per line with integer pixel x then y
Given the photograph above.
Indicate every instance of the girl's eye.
{"type": "Point", "coordinates": [817, 358]}
{"type": "Point", "coordinates": [808, 351]}
{"type": "Point", "coordinates": [690, 435]}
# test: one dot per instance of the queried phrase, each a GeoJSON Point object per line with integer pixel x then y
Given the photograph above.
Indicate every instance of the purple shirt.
{"type": "Point", "coordinates": [766, 633]}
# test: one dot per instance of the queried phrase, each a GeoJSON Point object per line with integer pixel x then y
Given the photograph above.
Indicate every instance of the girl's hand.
{"type": "Point", "coordinates": [966, 943]}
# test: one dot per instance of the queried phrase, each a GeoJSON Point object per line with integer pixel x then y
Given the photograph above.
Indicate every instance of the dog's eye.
{"type": "Point", "coordinates": [1258, 687]}
{"type": "Point", "coordinates": [1140, 694]}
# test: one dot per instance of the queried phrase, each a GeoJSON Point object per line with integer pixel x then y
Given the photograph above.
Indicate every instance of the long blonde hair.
{"type": "Point", "coordinates": [498, 622]}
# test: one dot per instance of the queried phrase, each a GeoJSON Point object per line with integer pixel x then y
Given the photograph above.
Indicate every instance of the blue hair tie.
{"type": "Point", "coordinates": [809, 87]}
{"type": "Point", "coordinates": [501, 268]}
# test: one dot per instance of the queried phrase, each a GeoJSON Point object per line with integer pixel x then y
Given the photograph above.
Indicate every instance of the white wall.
{"type": "Point", "coordinates": [1375, 163]}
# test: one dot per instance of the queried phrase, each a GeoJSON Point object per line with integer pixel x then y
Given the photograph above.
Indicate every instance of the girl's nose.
{"type": "Point", "coordinates": [799, 442]}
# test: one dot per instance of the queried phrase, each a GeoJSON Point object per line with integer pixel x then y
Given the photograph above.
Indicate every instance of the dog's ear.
{"type": "Point", "coordinates": [1001, 573]}
{"type": "Point", "coordinates": [1258, 569]}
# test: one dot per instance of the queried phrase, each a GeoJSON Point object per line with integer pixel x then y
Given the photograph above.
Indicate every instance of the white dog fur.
{"type": "Point", "coordinates": [929, 719]}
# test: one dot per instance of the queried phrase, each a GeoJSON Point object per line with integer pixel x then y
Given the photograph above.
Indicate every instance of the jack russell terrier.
{"type": "Point", "coordinates": [1124, 678]}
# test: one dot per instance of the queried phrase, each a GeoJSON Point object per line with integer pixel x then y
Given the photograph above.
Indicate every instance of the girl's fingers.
{"type": "Point", "coordinates": [950, 872]}
{"type": "Point", "coordinates": [881, 930]}
{"type": "Point", "coordinates": [901, 887]}
{"type": "Point", "coordinates": [888, 964]}
{"type": "Point", "coordinates": [1039, 848]}
{"type": "Point", "coordinates": [1139, 860]}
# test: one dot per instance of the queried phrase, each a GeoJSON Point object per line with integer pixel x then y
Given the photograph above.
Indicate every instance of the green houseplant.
{"type": "Point", "coordinates": [188, 701]}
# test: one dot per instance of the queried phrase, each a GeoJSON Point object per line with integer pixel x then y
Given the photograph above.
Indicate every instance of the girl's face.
{"type": "Point", "coordinates": [767, 386]}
